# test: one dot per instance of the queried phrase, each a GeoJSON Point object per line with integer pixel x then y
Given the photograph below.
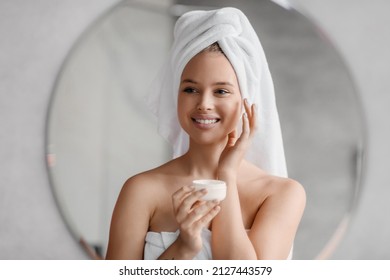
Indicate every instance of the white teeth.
{"type": "Point", "coordinates": [205, 121]}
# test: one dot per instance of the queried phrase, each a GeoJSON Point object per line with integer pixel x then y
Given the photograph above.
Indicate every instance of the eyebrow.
{"type": "Point", "coordinates": [217, 83]}
{"type": "Point", "coordinates": [188, 81]}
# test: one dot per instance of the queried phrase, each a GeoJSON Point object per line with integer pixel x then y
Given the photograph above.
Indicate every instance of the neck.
{"type": "Point", "coordinates": [201, 161]}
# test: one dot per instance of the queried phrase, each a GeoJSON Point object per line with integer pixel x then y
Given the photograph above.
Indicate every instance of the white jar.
{"type": "Point", "coordinates": [216, 189]}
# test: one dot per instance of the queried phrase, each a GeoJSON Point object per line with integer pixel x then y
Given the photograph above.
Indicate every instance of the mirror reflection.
{"type": "Point", "coordinates": [100, 132]}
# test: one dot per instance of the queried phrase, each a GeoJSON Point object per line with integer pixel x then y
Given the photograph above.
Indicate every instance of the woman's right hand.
{"type": "Point", "coordinates": [192, 214]}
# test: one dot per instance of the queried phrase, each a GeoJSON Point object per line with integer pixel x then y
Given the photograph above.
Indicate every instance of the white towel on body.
{"type": "Point", "coordinates": [157, 242]}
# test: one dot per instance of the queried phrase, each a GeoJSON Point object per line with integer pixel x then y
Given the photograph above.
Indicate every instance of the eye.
{"type": "Point", "coordinates": [189, 90]}
{"type": "Point", "coordinates": [222, 92]}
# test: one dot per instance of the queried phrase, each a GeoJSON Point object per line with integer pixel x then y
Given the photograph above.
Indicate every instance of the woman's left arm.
{"type": "Point", "coordinates": [276, 222]}
{"type": "Point", "coordinates": [236, 244]}
{"type": "Point", "coordinates": [229, 237]}
{"type": "Point", "coordinates": [274, 227]}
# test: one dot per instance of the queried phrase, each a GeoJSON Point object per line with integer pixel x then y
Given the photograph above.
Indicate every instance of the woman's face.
{"type": "Point", "coordinates": [209, 100]}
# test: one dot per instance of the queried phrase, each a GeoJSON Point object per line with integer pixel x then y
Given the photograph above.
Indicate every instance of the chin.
{"type": "Point", "coordinates": [208, 140]}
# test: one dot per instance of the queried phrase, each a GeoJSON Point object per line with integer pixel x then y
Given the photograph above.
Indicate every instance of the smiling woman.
{"type": "Point", "coordinates": [100, 131]}
{"type": "Point", "coordinates": [260, 214]}
{"type": "Point", "coordinates": [208, 91]}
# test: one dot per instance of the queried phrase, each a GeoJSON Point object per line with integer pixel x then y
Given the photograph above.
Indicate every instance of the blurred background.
{"type": "Point", "coordinates": [73, 123]}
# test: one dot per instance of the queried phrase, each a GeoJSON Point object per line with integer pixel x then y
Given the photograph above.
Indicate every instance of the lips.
{"type": "Point", "coordinates": [205, 121]}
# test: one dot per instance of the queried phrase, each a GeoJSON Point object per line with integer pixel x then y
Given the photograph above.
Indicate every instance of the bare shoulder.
{"type": "Point", "coordinates": [266, 185]}
{"type": "Point", "coordinates": [134, 208]}
{"type": "Point", "coordinates": [148, 187]}
{"type": "Point", "coordinates": [286, 187]}
{"type": "Point", "coordinates": [141, 183]}
{"type": "Point", "coordinates": [143, 187]}
{"type": "Point", "coordinates": [285, 198]}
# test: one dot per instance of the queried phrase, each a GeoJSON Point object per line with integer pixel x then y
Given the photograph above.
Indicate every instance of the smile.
{"type": "Point", "coordinates": [205, 121]}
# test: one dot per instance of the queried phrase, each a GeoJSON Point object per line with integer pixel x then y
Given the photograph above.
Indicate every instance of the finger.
{"type": "Point", "coordinates": [232, 138]}
{"type": "Point", "coordinates": [253, 119]}
{"type": "Point", "coordinates": [252, 114]}
{"type": "Point", "coordinates": [188, 204]}
{"type": "Point", "coordinates": [180, 195]}
{"type": "Point", "coordinates": [196, 216]}
{"type": "Point", "coordinates": [207, 218]}
{"type": "Point", "coordinates": [196, 196]}
{"type": "Point", "coordinates": [245, 133]}
{"type": "Point", "coordinates": [247, 108]}
{"type": "Point", "coordinates": [245, 126]}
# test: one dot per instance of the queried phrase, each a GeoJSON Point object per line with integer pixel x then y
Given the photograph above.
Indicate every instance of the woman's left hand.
{"type": "Point", "coordinates": [235, 149]}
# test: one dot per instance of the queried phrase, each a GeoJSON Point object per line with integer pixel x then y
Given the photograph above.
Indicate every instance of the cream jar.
{"type": "Point", "coordinates": [216, 189]}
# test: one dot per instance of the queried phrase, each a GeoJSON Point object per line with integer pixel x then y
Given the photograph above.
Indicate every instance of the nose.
{"type": "Point", "coordinates": [205, 102]}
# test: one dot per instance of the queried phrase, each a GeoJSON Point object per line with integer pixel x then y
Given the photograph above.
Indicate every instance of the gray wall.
{"type": "Point", "coordinates": [360, 31]}
{"type": "Point", "coordinates": [37, 35]}
{"type": "Point", "coordinates": [35, 38]}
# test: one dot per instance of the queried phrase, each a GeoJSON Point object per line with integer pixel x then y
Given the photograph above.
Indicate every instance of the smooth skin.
{"type": "Point", "coordinates": [261, 213]}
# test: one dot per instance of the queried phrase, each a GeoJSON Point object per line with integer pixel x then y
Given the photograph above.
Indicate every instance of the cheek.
{"type": "Point", "coordinates": [235, 110]}
{"type": "Point", "coordinates": [238, 108]}
{"type": "Point", "coordinates": [182, 109]}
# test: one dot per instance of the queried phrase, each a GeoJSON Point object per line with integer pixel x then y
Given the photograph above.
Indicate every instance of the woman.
{"type": "Point", "coordinates": [216, 69]}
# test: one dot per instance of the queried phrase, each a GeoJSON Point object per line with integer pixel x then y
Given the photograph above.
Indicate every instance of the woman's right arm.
{"type": "Point", "coordinates": [130, 221]}
{"type": "Point", "coordinates": [133, 211]}
{"type": "Point", "coordinates": [191, 215]}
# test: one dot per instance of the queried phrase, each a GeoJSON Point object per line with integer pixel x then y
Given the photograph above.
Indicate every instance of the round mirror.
{"type": "Point", "coordinates": [99, 131]}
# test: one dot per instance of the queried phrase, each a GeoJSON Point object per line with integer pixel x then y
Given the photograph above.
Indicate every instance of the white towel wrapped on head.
{"type": "Point", "coordinates": [196, 30]}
